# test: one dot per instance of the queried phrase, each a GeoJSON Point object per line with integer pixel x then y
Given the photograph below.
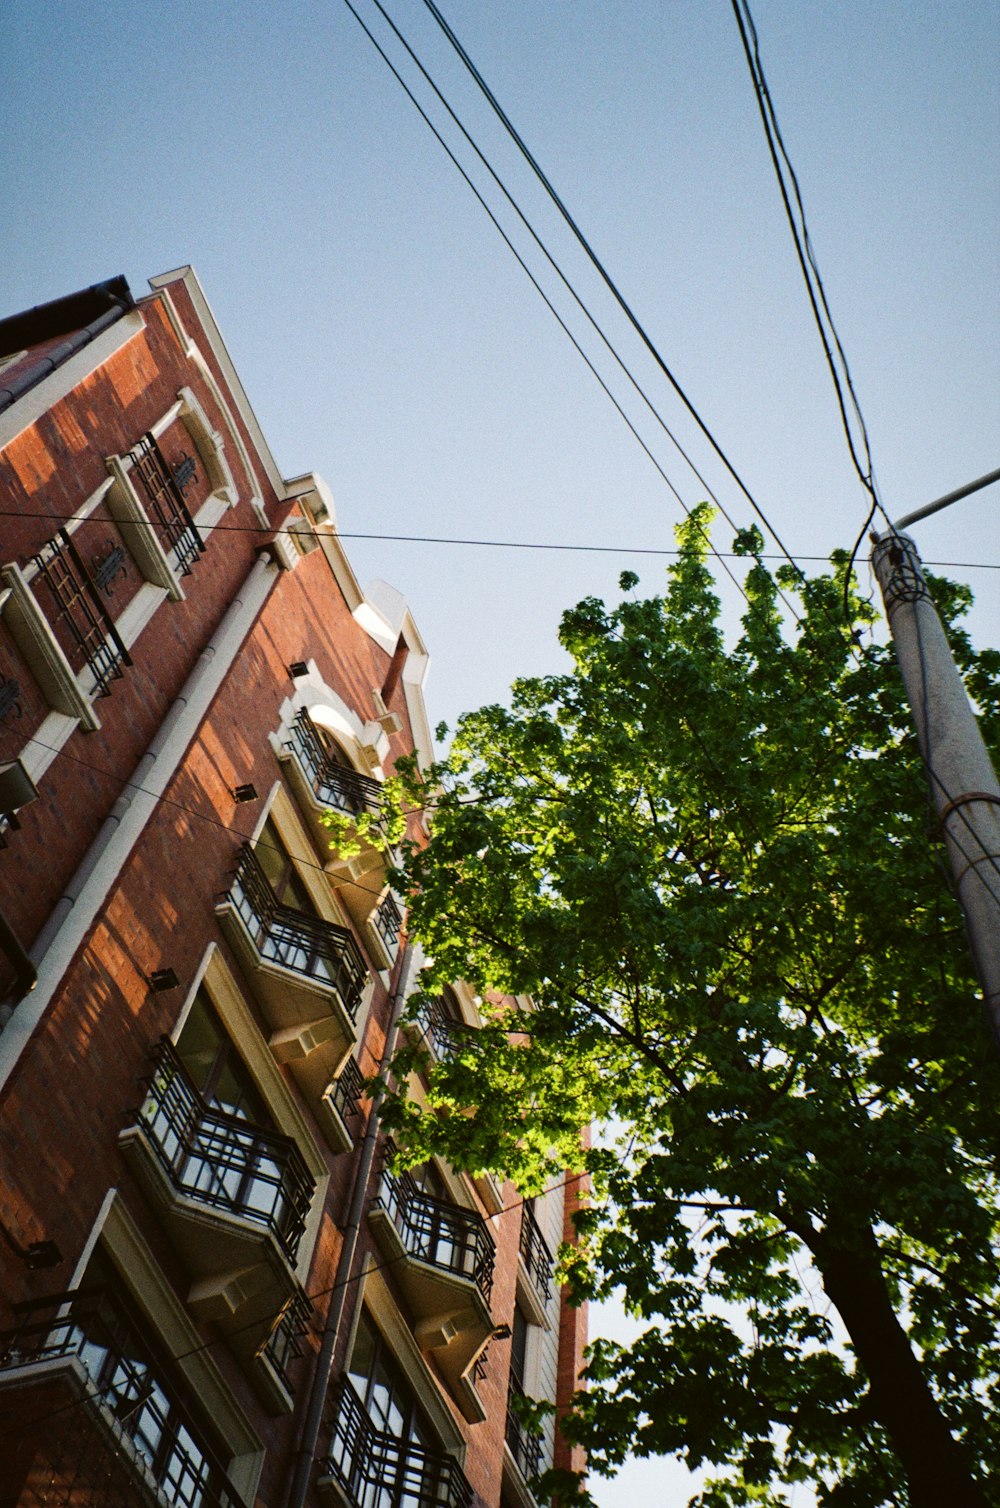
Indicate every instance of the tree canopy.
{"type": "Point", "coordinates": [694, 885]}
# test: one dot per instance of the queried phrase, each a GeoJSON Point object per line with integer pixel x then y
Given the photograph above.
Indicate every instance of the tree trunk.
{"type": "Point", "coordinates": [936, 1469]}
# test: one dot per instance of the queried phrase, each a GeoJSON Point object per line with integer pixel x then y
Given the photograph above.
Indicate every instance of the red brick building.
{"type": "Point", "coordinates": [212, 1289]}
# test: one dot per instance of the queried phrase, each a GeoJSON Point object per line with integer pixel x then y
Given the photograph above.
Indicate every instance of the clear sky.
{"type": "Point", "coordinates": [388, 339]}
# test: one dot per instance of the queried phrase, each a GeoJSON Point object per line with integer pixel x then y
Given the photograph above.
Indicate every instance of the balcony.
{"type": "Point", "coordinates": [444, 1034]}
{"type": "Point", "coordinates": [442, 1258]}
{"type": "Point", "coordinates": [365, 1467]}
{"type": "Point", "coordinates": [323, 783]}
{"type": "Point", "coordinates": [340, 1107]}
{"type": "Point", "coordinates": [233, 1197]}
{"type": "Point", "coordinates": [307, 972]}
{"type": "Point", "coordinates": [328, 784]}
{"type": "Point", "coordinates": [101, 1425]}
{"type": "Point", "coordinates": [385, 925]}
{"type": "Point", "coordinates": [526, 1449]}
{"type": "Point", "coordinates": [534, 1285]}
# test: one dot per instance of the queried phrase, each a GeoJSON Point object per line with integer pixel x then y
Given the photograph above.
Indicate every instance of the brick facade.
{"type": "Point", "coordinates": [178, 621]}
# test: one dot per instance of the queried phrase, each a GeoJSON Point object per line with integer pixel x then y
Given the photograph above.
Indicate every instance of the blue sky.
{"type": "Point", "coordinates": [388, 339]}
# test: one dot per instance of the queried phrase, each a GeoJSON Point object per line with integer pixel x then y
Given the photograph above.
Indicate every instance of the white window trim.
{"type": "Point", "coordinates": [41, 649]}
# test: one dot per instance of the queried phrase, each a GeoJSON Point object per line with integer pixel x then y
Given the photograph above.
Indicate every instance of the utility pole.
{"type": "Point", "coordinates": [963, 781]}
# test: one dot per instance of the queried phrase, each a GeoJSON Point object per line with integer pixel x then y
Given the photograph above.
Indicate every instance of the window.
{"type": "Point", "coordinates": [383, 1389]}
{"type": "Point", "coordinates": [333, 779]}
{"type": "Point", "coordinates": [524, 1447]}
{"type": "Point", "coordinates": [383, 1453]}
{"type": "Point", "coordinates": [77, 613]}
{"type": "Point", "coordinates": [210, 1131]}
{"type": "Point", "coordinates": [215, 1067]}
{"type": "Point", "coordinates": [279, 871]}
{"type": "Point", "coordinates": [134, 1385]}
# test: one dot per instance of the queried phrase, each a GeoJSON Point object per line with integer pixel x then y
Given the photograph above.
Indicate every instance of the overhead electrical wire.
{"type": "Point", "coordinates": [833, 350]}
{"type": "Point", "coordinates": [538, 287]}
{"type": "Point", "coordinates": [604, 275]}
{"type": "Point", "coordinates": [596, 326]}
{"type": "Point", "coordinates": [208, 1345]}
{"type": "Point", "coordinates": [472, 543]}
{"type": "Point", "coordinates": [840, 371]}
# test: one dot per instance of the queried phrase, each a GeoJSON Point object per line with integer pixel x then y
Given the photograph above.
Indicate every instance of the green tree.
{"type": "Point", "coordinates": [709, 869]}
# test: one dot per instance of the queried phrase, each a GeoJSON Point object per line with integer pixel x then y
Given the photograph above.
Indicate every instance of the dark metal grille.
{"type": "Point", "coordinates": [445, 1035]}
{"type": "Point", "coordinates": [437, 1232]}
{"type": "Point", "coordinates": [345, 1093]}
{"type": "Point", "coordinates": [284, 1344]}
{"type": "Point", "coordinates": [109, 566]}
{"type": "Point", "coordinates": [129, 1387]}
{"type": "Point", "coordinates": [80, 612]}
{"type": "Point", "coordinates": [185, 471]}
{"type": "Point", "coordinates": [10, 698]}
{"type": "Point", "coordinates": [222, 1161]}
{"type": "Point", "coordinates": [388, 923]}
{"type": "Point", "coordinates": [308, 945]}
{"type": "Point", "coordinates": [535, 1253]}
{"type": "Point", "coordinates": [335, 785]}
{"type": "Point", "coordinates": [171, 518]}
{"type": "Point", "coordinates": [378, 1470]}
{"type": "Point", "coordinates": [524, 1447]}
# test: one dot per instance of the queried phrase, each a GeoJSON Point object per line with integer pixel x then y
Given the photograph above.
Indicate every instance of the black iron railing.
{"type": "Point", "coordinates": [221, 1161]}
{"type": "Point", "coordinates": [444, 1032]}
{"type": "Point", "coordinates": [524, 1447]}
{"type": "Point", "coordinates": [345, 1092]}
{"type": "Point", "coordinates": [535, 1253]}
{"type": "Point", "coordinates": [171, 518]}
{"type": "Point", "coordinates": [388, 922]}
{"type": "Point", "coordinates": [373, 1468]}
{"type": "Point", "coordinates": [284, 1344]}
{"type": "Point", "coordinates": [308, 945]}
{"type": "Point", "coordinates": [437, 1232]}
{"type": "Point", "coordinates": [333, 783]}
{"type": "Point", "coordinates": [79, 614]}
{"type": "Point", "coordinates": [137, 1403]}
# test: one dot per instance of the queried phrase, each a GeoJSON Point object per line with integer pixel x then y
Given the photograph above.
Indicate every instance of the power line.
{"type": "Point", "coordinates": [561, 274]}
{"type": "Point", "coordinates": [604, 275]}
{"type": "Point", "coordinates": [535, 283]}
{"type": "Point", "coordinates": [833, 350]}
{"type": "Point", "coordinates": [558, 546]}
{"type": "Point", "coordinates": [347, 1282]}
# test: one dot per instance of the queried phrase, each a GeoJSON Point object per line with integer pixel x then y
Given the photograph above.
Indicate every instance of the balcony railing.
{"type": "Point", "coordinates": [307, 945]}
{"type": "Point", "coordinates": [535, 1253]}
{"type": "Point", "coordinates": [333, 784]}
{"type": "Point", "coordinates": [165, 494]}
{"type": "Point", "coordinates": [78, 616]}
{"type": "Point", "coordinates": [435, 1231]}
{"type": "Point", "coordinates": [345, 1093]}
{"type": "Point", "coordinates": [524, 1447]}
{"type": "Point", "coordinates": [388, 923]}
{"type": "Point", "coordinates": [221, 1161]}
{"type": "Point", "coordinates": [374, 1469]}
{"type": "Point", "coordinates": [445, 1034]}
{"type": "Point", "coordinates": [146, 1432]}
{"type": "Point", "coordinates": [284, 1344]}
